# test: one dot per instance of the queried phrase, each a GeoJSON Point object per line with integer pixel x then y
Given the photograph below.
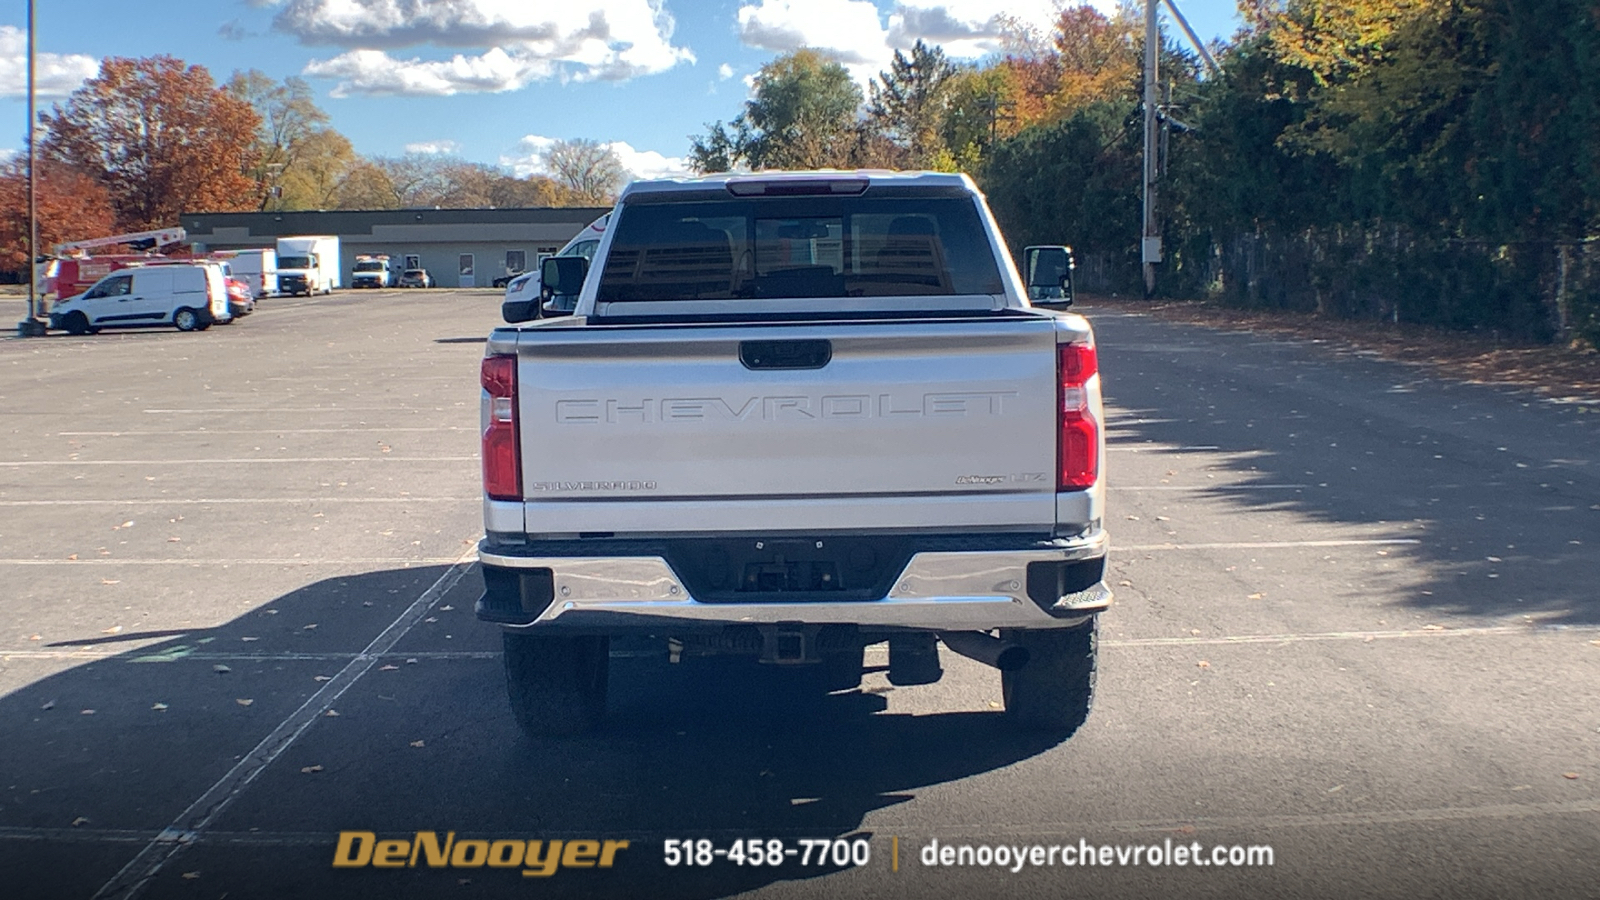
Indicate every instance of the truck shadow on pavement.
{"type": "Point", "coordinates": [103, 756]}
{"type": "Point", "coordinates": [1483, 481]}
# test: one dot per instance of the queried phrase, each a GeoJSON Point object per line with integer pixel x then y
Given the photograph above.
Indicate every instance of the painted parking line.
{"type": "Point", "coordinates": [236, 461]}
{"type": "Point", "coordinates": [1268, 545]}
{"type": "Point", "coordinates": [356, 430]}
{"type": "Point", "coordinates": [1208, 487]}
{"type": "Point", "coordinates": [223, 501]}
{"type": "Point", "coordinates": [190, 823]}
{"type": "Point", "coordinates": [187, 654]}
{"type": "Point", "coordinates": [224, 561]}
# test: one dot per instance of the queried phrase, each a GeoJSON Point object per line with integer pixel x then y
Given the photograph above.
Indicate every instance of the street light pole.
{"type": "Point", "coordinates": [1150, 241]}
{"type": "Point", "coordinates": [32, 326]}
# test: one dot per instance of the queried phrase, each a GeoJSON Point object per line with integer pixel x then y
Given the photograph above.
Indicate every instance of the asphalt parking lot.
{"type": "Point", "coordinates": [1357, 621]}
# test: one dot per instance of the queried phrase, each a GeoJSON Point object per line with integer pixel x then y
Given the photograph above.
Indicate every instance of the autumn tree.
{"type": "Point", "coordinates": [71, 205]}
{"type": "Point", "coordinates": [591, 170]}
{"type": "Point", "coordinates": [323, 161]}
{"type": "Point", "coordinates": [160, 137]}
{"type": "Point", "coordinates": [289, 118]}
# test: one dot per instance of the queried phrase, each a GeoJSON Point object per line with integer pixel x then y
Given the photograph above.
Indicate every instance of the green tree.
{"type": "Point", "coordinates": [803, 116]}
{"type": "Point", "coordinates": [909, 103]}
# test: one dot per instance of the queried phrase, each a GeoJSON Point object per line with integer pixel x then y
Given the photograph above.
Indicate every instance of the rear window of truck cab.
{"type": "Point", "coordinates": [799, 247]}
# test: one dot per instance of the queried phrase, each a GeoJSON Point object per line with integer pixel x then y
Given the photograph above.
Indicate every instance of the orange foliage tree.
{"type": "Point", "coordinates": [72, 207]}
{"type": "Point", "coordinates": [161, 137]}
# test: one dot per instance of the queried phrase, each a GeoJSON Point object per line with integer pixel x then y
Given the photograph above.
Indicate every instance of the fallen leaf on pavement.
{"type": "Point", "coordinates": [1571, 776]}
{"type": "Point", "coordinates": [40, 638]}
{"type": "Point", "coordinates": [72, 556]}
{"type": "Point", "coordinates": [1433, 628]}
{"type": "Point", "coordinates": [308, 770]}
{"type": "Point", "coordinates": [191, 875]}
{"type": "Point", "coordinates": [173, 540]}
{"type": "Point", "coordinates": [110, 581]}
{"type": "Point", "coordinates": [49, 704]}
{"type": "Point", "coordinates": [1256, 596]}
{"type": "Point", "coordinates": [115, 629]}
{"type": "Point", "coordinates": [249, 639]}
{"type": "Point", "coordinates": [221, 669]}
{"type": "Point", "coordinates": [446, 608]}
{"type": "Point", "coordinates": [158, 706]}
{"type": "Point", "coordinates": [411, 661]}
{"type": "Point", "coordinates": [322, 678]}
{"type": "Point", "coordinates": [87, 712]}
{"type": "Point", "coordinates": [332, 713]}
{"type": "Point", "coordinates": [387, 668]}
{"type": "Point", "coordinates": [419, 744]}
{"type": "Point", "coordinates": [1204, 664]}
{"type": "Point", "coordinates": [311, 627]}
{"type": "Point", "coordinates": [79, 821]}
{"type": "Point", "coordinates": [243, 701]}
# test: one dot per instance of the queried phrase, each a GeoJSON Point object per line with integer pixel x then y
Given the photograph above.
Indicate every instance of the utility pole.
{"type": "Point", "coordinates": [31, 326]}
{"type": "Point", "coordinates": [1150, 243]}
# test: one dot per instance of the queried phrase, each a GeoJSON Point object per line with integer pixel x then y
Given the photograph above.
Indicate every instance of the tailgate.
{"type": "Point", "coordinates": [695, 427]}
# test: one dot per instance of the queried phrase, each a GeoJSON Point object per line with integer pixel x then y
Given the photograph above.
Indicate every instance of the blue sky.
{"type": "Point", "coordinates": [494, 81]}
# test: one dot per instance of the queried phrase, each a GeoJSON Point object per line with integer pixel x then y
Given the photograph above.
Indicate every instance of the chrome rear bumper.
{"type": "Point", "coordinates": [974, 590]}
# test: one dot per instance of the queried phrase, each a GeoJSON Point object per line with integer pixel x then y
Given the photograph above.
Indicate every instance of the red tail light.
{"type": "Point", "coordinates": [502, 464]}
{"type": "Point", "coordinates": [1078, 434]}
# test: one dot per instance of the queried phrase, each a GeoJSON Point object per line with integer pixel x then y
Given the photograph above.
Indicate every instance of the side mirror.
{"type": "Point", "coordinates": [1049, 273]}
{"type": "Point", "coordinates": [562, 275]}
{"type": "Point", "coordinates": [515, 311]}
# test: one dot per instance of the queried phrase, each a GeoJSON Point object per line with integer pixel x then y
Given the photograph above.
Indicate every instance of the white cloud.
{"type": "Point", "coordinates": [434, 148]}
{"type": "Point", "coordinates": [854, 33]}
{"type": "Point", "coordinates": [649, 163]}
{"type": "Point", "coordinates": [585, 40]}
{"type": "Point", "coordinates": [850, 31]}
{"type": "Point", "coordinates": [724, 72]}
{"type": "Point", "coordinates": [373, 72]}
{"type": "Point", "coordinates": [55, 74]}
{"type": "Point", "coordinates": [531, 150]}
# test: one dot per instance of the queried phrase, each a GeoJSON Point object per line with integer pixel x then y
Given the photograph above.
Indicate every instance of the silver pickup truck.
{"type": "Point", "coordinates": [793, 415]}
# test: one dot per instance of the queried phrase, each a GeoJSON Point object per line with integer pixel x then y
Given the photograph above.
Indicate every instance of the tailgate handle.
{"type": "Point", "coordinates": [803, 354]}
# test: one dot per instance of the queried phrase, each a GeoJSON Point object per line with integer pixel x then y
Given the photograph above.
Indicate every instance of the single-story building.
{"type": "Point", "coordinates": [458, 247]}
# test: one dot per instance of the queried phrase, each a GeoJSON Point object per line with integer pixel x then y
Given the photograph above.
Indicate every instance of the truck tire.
{"type": "Point", "coordinates": [77, 323]}
{"type": "Point", "coordinates": [1055, 690]}
{"type": "Point", "coordinates": [186, 319]}
{"type": "Point", "coordinates": [557, 684]}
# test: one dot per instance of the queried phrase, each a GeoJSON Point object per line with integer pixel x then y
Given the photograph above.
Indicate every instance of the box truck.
{"type": "Point", "coordinates": [308, 265]}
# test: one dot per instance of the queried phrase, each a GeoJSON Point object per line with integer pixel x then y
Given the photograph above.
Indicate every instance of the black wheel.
{"type": "Point", "coordinates": [186, 319]}
{"type": "Point", "coordinates": [77, 323]}
{"type": "Point", "coordinates": [1055, 690]}
{"type": "Point", "coordinates": [557, 684]}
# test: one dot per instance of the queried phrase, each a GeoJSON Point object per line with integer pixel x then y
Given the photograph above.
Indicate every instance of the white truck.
{"type": "Point", "coordinates": [308, 265]}
{"type": "Point", "coordinates": [792, 415]}
{"type": "Point", "coordinates": [258, 268]}
{"type": "Point", "coordinates": [372, 271]}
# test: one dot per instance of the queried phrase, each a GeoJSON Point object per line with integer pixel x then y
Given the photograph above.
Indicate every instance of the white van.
{"type": "Point", "coordinates": [190, 296]}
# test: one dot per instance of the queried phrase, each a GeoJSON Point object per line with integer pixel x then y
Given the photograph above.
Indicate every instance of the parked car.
{"type": "Point", "coordinates": [523, 289]}
{"type": "Point", "coordinates": [505, 280]}
{"type": "Point", "coordinates": [416, 278]}
{"type": "Point", "coordinates": [187, 296]}
{"type": "Point", "coordinates": [524, 298]}
{"type": "Point", "coordinates": [240, 301]}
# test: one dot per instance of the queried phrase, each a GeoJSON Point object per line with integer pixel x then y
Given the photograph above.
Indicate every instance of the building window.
{"type": "Point", "coordinates": [516, 261]}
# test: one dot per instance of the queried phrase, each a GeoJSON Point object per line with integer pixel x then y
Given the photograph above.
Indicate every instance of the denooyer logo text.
{"type": "Point", "coordinates": [536, 858]}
